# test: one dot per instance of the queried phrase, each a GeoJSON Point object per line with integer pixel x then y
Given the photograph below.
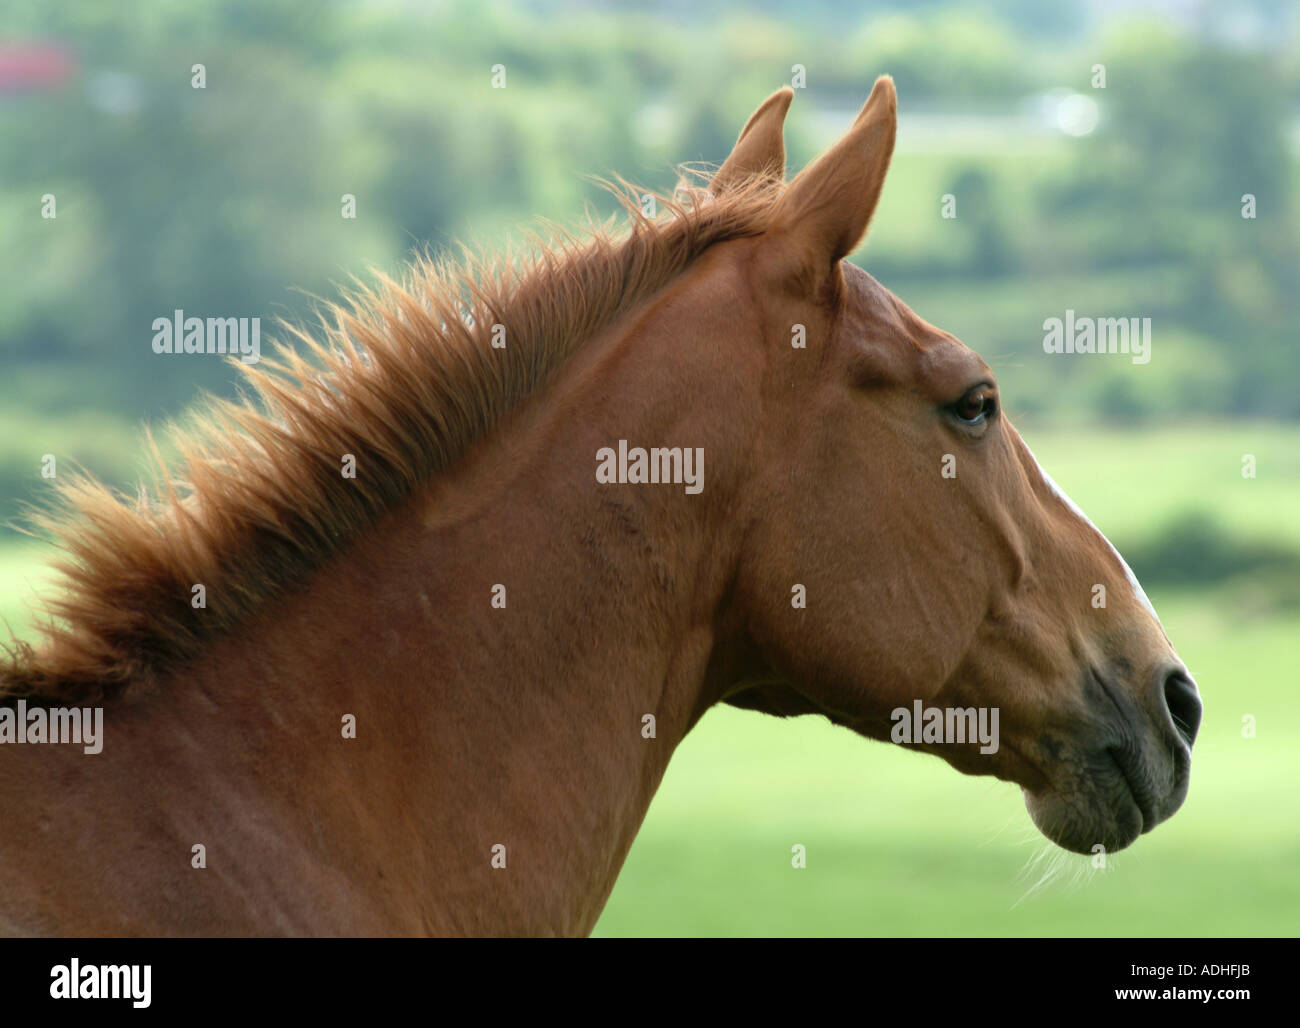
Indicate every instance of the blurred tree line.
{"type": "Point", "coordinates": [226, 200]}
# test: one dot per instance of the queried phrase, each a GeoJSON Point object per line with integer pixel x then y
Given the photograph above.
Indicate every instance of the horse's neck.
{"type": "Point", "coordinates": [541, 723]}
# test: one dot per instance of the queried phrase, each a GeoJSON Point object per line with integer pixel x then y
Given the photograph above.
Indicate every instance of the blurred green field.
{"type": "Point", "coordinates": [899, 844]}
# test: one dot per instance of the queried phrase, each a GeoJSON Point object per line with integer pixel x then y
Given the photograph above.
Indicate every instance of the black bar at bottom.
{"type": "Point", "coordinates": [214, 977]}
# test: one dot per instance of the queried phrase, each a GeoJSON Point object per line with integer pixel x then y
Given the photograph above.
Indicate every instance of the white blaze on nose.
{"type": "Point", "coordinates": [1132, 578]}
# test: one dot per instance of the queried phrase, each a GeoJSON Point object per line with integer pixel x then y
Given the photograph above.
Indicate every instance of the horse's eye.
{"type": "Point", "coordinates": [976, 406]}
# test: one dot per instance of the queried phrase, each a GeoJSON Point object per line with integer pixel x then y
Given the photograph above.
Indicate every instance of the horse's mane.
{"type": "Point", "coordinates": [403, 377]}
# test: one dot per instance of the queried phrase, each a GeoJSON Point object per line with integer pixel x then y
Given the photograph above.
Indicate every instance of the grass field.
{"type": "Point", "coordinates": [899, 844]}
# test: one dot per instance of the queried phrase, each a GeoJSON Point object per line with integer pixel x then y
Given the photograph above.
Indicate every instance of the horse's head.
{"type": "Point", "coordinates": [906, 553]}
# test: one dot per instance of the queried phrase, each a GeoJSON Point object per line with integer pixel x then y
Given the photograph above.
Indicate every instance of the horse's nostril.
{"type": "Point", "coordinates": [1184, 704]}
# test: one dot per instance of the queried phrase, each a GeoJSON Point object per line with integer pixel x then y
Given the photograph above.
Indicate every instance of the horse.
{"type": "Point", "coordinates": [405, 643]}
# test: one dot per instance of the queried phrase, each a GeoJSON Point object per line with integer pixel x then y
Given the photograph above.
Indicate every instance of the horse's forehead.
{"type": "Point", "coordinates": [879, 305]}
{"type": "Point", "coordinates": [904, 347]}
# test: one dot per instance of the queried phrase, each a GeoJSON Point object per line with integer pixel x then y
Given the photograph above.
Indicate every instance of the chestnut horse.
{"type": "Point", "coordinates": [406, 646]}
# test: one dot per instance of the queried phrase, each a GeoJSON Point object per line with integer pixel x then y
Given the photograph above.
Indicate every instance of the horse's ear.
{"type": "Point", "coordinates": [760, 150]}
{"type": "Point", "coordinates": [827, 207]}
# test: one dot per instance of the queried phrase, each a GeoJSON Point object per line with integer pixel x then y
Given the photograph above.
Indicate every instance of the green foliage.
{"type": "Point", "coordinates": [227, 200]}
{"type": "Point", "coordinates": [1196, 548]}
